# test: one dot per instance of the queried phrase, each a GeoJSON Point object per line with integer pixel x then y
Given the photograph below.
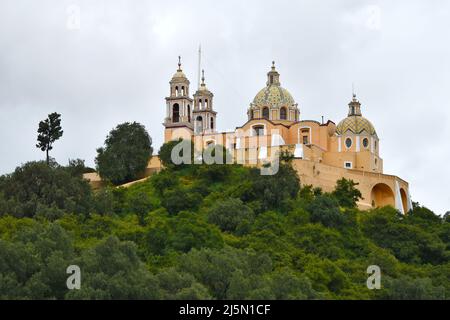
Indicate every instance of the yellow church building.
{"type": "Point", "coordinates": [323, 152]}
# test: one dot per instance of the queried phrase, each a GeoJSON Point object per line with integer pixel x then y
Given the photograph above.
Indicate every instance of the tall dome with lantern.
{"type": "Point", "coordinates": [357, 134]}
{"type": "Point", "coordinates": [273, 102]}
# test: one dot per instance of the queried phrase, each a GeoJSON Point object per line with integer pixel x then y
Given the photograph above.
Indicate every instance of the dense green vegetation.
{"type": "Point", "coordinates": [211, 232]}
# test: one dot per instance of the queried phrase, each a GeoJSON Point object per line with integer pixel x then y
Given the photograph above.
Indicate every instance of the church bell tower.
{"type": "Point", "coordinates": [178, 121]}
{"type": "Point", "coordinates": [204, 116]}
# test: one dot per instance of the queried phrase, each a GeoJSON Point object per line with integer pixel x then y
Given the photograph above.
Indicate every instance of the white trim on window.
{"type": "Point", "coordinates": [299, 134]}
{"type": "Point", "coordinates": [345, 143]}
{"type": "Point", "coordinates": [348, 165]}
{"type": "Point", "coordinates": [252, 131]}
{"type": "Point", "coordinates": [368, 143]}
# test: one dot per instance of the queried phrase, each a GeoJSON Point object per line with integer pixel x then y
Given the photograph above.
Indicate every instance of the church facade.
{"type": "Point", "coordinates": [323, 152]}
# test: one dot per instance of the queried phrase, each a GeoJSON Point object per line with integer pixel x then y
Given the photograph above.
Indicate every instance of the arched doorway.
{"type": "Point", "coordinates": [404, 200]}
{"type": "Point", "coordinates": [382, 195]}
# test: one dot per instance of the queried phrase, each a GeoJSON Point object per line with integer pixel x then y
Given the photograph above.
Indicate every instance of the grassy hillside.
{"type": "Point", "coordinates": [211, 232]}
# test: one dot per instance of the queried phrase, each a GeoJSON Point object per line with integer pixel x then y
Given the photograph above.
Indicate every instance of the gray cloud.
{"type": "Point", "coordinates": [117, 65]}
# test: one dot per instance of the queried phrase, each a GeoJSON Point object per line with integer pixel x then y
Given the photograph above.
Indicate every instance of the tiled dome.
{"type": "Point", "coordinates": [273, 96]}
{"type": "Point", "coordinates": [355, 122]}
{"type": "Point", "coordinates": [356, 125]}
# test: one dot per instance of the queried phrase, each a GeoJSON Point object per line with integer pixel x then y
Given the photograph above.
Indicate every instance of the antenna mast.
{"type": "Point", "coordinates": [199, 64]}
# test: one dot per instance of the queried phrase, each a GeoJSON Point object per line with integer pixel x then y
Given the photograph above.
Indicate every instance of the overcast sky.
{"type": "Point", "coordinates": [100, 63]}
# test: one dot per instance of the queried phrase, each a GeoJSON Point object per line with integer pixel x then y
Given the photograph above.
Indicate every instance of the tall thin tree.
{"type": "Point", "coordinates": [49, 131]}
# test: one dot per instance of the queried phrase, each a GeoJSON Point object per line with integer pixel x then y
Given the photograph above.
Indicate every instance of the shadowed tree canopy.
{"type": "Point", "coordinates": [36, 188]}
{"type": "Point", "coordinates": [49, 131]}
{"type": "Point", "coordinates": [165, 153]}
{"type": "Point", "coordinates": [126, 153]}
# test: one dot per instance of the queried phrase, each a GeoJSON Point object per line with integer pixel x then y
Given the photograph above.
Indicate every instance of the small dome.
{"type": "Point", "coordinates": [273, 95]}
{"type": "Point", "coordinates": [179, 75]}
{"type": "Point", "coordinates": [203, 90]}
{"type": "Point", "coordinates": [355, 124]}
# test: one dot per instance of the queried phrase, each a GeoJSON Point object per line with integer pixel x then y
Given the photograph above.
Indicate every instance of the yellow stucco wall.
{"type": "Point", "coordinates": [323, 158]}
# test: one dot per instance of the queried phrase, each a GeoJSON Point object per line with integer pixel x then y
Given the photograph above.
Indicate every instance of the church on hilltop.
{"type": "Point", "coordinates": [323, 152]}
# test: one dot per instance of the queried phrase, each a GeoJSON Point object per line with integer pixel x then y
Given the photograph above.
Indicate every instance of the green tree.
{"type": "Point", "coordinates": [140, 204]}
{"type": "Point", "coordinates": [165, 153]}
{"type": "Point", "coordinates": [228, 214]}
{"type": "Point", "coordinates": [216, 269]}
{"type": "Point", "coordinates": [285, 285]}
{"type": "Point", "coordinates": [49, 131]}
{"type": "Point", "coordinates": [190, 231]}
{"type": "Point", "coordinates": [35, 263]}
{"type": "Point", "coordinates": [407, 288]}
{"type": "Point", "coordinates": [446, 217]}
{"type": "Point", "coordinates": [50, 190]}
{"type": "Point", "coordinates": [113, 270]}
{"type": "Point", "coordinates": [125, 156]}
{"type": "Point", "coordinates": [325, 209]}
{"type": "Point", "coordinates": [272, 192]}
{"type": "Point", "coordinates": [77, 167]}
{"type": "Point", "coordinates": [178, 199]}
{"type": "Point", "coordinates": [409, 243]}
{"type": "Point", "coordinates": [346, 193]}
{"type": "Point", "coordinates": [179, 285]}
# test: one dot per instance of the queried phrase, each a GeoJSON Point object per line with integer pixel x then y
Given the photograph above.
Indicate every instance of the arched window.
{"type": "Point", "coordinates": [265, 113]}
{"type": "Point", "coordinates": [212, 123]}
{"type": "Point", "coordinates": [199, 124]}
{"type": "Point", "coordinates": [176, 91]}
{"type": "Point", "coordinates": [206, 103]}
{"type": "Point", "coordinates": [258, 130]}
{"type": "Point", "coordinates": [182, 91]}
{"type": "Point", "coordinates": [283, 115]}
{"type": "Point", "coordinates": [189, 113]}
{"type": "Point", "coordinates": [175, 113]}
{"type": "Point", "coordinates": [200, 104]}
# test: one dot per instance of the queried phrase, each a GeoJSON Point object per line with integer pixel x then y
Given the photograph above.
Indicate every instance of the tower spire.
{"type": "Point", "coordinates": [203, 77]}
{"type": "Point", "coordinates": [179, 63]}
